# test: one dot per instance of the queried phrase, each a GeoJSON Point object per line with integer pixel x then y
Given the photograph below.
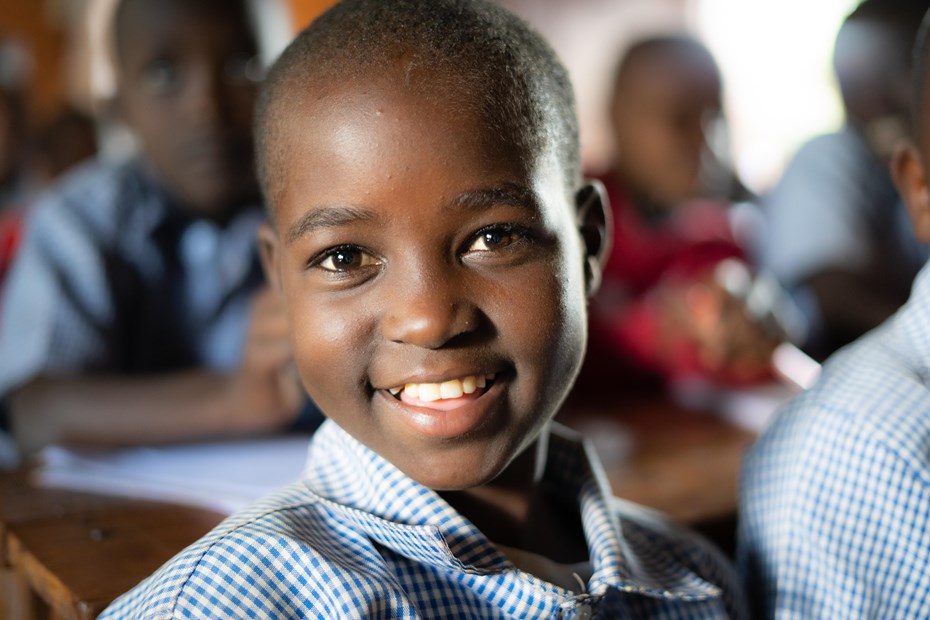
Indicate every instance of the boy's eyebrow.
{"type": "Point", "coordinates": [327, 217]}
{"type": "Point", "coordinates": [506, 194]}
{"type": "Point", "coordinates": [475, 199]}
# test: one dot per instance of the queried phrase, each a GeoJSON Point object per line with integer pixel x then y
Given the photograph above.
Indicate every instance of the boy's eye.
{"type": "Point", "coordinates": [345, 258]}
{"type": "Point", "coordinates": [161, 77]}
{"type": "Point", "coordinates": [496, 238]}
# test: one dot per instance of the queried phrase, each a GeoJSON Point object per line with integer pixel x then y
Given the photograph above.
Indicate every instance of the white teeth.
{"type": "Point", "coordinates": [454, 388]}
{"type": "Point", "coordinates": [451, 389]}
{"type": "Point", "coordinates": [429, 392]}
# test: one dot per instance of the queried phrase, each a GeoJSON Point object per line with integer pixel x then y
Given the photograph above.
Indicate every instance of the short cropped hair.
{"type": "Point", "coordinates": [681, 44]}
{"type": "Point", "coordinates": [505, 69]}
{"type": "Point", "coordinates": [868, 78]}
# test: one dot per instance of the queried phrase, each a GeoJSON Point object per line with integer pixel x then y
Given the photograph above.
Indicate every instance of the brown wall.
{"type": "Point", "coordinates": [304, 11]}
{"type": "Point", "coordinates": [28, 21]}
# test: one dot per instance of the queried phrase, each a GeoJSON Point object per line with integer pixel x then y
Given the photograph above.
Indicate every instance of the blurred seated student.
{"type": "Point", "coordinates": [667, 304]}
{"type": "Point", "coordinates": [837, 234]}
{"type": "Point", "coordinates": [835, 496]}
{"type": "Point", "coordinates": [134, 311]}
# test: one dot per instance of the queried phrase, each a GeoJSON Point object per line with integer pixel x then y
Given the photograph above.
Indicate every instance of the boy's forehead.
{"type": "Point", "coordinates": [373, 123]}
{"type": "Point", "coordinates": [404, 93]}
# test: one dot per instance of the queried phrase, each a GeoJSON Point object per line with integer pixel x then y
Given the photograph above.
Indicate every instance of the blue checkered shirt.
{"type": "Point", "coordinates": [356, 538]}
{"type": "Point", "coordinates": [835, 497]}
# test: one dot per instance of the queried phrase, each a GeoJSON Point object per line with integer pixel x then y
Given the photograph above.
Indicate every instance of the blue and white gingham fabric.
{"type": "Point", "coordinates": [835, 497]}
{"type": "Point", "coordinates": [356, 538]}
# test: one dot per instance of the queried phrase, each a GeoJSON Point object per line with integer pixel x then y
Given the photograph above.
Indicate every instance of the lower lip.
{"type": "Point", "coordinates": [448, 424]}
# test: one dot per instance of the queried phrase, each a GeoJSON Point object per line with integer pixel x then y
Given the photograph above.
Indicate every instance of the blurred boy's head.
{"type": "Point", "coordinates": [666, 91]}
{"type": "Point", "coordinates": [430, 235]}
{"type": "Point", "coordinates": [872, 62]}
{"type": "Point", "coordinates": [184, 86]}
{"type": "Point", "coordinates": [909, 164]}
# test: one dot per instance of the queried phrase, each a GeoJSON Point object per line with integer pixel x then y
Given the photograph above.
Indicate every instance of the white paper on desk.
{"type": "Point", "coordinates": [224, 476]}
{"type": "Point", "coordinates": [752, 408]}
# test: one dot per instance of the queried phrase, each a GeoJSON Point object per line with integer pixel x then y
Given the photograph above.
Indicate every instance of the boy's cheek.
{"type": "Point", "coordinates": [328, 348]}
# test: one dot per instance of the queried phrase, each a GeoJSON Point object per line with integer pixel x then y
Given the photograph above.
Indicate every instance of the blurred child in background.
{"type": "Point", "coordinates": [672, 300]}
{"type": "Point", "coordinates": [837, 234]}
{"type": "Point", "coordinates": [835, 500]}
{"type": "Point", "coordinates": [131, 313]}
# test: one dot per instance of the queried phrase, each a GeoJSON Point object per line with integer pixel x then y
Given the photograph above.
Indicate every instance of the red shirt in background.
{"type": "Point", "coordinates": [10, 225]}
{"type": "Point", "coordinates": [678, 248]}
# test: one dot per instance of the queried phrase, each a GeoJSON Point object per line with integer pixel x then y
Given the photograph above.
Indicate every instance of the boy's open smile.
{"type": "Point", "coordinates": [433, 274]}
{"type": "Point", "coordinates": [447, 409]}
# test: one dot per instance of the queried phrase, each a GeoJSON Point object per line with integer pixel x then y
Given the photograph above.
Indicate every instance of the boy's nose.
{"type": "Point", "coordinates": [428, 314]}
{"type": "Point", "coordinates": [206, 96]}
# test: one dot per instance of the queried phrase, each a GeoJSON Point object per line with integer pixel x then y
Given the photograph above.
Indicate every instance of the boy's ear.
{"type": "Point", "coordinates": [594, 224]}
{"type": "Point", "coordinates": [910, 177]}
{"type": "Point", "coordinates": [269, 250]}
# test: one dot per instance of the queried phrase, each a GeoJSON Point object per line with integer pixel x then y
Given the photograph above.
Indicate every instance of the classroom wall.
{"type": "Point", "coordinates": [304, 11]}
{"type": "Point", "coordinates": [33, 24]}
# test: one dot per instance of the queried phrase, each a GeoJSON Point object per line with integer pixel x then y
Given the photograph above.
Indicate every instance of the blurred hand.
{"type": "Point", "coordinates": [732, 329]}
{"type": "Point", "coordinates": [265, 392]}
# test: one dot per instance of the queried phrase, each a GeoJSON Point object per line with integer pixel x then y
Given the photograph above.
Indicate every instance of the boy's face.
{"type": "Point", "coordinates": [661, 112]}
{"type": "Point", "coordinates": [185, 92]}
{"type": "Point", "coordinates": [414, 247]}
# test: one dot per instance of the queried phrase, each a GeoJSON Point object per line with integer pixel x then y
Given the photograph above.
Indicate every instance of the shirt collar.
{"type": "Point", "coordinates": [416, 522]}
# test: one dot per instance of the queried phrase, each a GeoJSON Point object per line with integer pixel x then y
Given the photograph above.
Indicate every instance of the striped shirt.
{"type": "Point", "coordinates": [112, 276]}
{"type": "Point", "coordinates": [836, 495]}
{"type": "Point", "coordinates": [356, 538]}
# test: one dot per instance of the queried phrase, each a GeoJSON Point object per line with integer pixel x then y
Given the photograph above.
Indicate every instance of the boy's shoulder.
{"type": "Point", "coordinates": [871, 395]}
{"type": "Point", "coordinates": [257, 561]}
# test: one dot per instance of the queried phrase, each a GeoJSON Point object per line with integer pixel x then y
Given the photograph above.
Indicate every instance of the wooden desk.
{"type": "Point", "coordinates": [658, 454]}
{"type": "Point", "coordinates": [68, 554]}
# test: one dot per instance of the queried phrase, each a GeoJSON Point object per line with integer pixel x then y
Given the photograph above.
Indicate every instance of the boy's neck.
{"type": "Point", "coordinates": [516, 510]}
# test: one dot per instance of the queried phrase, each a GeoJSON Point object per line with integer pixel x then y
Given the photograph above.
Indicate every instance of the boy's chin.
{"type": "Point", "coordinates": [486, 466]}
{"type": "Point", "coordinates": [458, 479]}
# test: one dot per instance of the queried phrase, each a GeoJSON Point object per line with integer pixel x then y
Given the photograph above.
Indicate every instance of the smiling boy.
{"type": "Point", "coordinates": [434, 248]}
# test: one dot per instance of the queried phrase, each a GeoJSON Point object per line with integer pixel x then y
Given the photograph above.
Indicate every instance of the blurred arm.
{"type": "Point", "coordinates": [262, 395]}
